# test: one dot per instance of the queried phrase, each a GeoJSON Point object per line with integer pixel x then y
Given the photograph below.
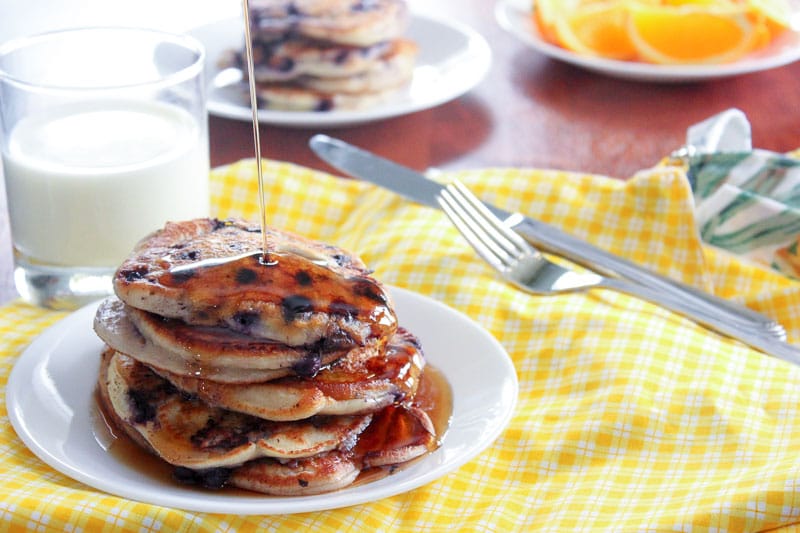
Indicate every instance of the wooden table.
{"type": "Point", "coordinates": [530, 111]}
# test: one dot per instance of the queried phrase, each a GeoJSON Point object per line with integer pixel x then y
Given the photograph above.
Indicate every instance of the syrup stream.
{"type": "Point", "coordinates": [248, 44]}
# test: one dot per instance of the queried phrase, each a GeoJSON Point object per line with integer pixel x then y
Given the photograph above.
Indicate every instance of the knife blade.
{"type": "Point", "coordinates": [416, 187]}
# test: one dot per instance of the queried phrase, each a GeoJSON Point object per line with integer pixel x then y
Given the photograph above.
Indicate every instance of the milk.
{"type": "Point", "coordinates": [85, 183]}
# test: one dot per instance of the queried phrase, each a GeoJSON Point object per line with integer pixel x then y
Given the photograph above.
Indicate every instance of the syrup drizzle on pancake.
{"type": "Point", "coordinates": [300, 285]}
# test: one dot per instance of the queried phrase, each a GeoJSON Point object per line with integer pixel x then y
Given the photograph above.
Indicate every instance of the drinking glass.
{"type": "Point", "coordinates": [104, 139]}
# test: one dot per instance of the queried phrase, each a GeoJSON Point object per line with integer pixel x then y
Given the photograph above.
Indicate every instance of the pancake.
{"type": "Point", "coordinates": [208, 272]}
{"type": "Point", "coordinates": [292, 97]}
{"type": "Point", "coordinates": [381, 449]}
{"type": "Point", "coordinates": [113, 325]}
{"type": "Point", "coordinates": [187, 432]}
{"type": "Point", "coordinates": [363, 89]}
{"type": "Point", "coordinates": [360, 91]}
{"type": "Point", "coordinates": [395, 68]}
{"type": "Point", "coordinates": [325, 55]}
{"type": "Point", "coordinates": [314, 475]}
{"type": "Point", "coordinates": [394, 436]}
{"type": "Point", "coordinates": [286, 60]}
{"type": "Point", "coordinates": [213, 353]}
{"type": "Point", "coordinates": [350, 386]}
{"type": "Point", "coordinates": [351, 22]}
{"type": "Point", "coordinates": [330, 68]}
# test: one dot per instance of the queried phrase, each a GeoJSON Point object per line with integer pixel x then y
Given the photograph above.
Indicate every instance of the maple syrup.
{"type": "Point", "coordinates": [435, 397]}
{"type": "Point", "coordinates": [251, 79]}
{"type": "Point", "coordinates": [115, 441]}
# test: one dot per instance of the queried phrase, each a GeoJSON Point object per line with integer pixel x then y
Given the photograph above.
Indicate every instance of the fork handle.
{"type": "Point", "coordinates": [764, 343]}
{"type": "Point", "coordinates": [553, 240]}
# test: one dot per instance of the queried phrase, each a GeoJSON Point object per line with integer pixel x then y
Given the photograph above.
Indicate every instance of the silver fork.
{"type": "Point", "coordinates": [528, 269]}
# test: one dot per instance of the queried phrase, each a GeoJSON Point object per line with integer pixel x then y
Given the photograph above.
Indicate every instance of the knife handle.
{"type": "Point", "coordinates": [551, 239]}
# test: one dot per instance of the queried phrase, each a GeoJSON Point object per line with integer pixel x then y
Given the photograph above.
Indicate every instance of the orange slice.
{"type": "Point", "coordinates": [691, 33]}
{"type": "Point", "coordinates": [595, 28]}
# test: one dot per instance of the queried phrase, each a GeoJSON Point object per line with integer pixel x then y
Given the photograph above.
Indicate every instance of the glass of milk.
{"type": "Point", "coordinates": [104, 139]}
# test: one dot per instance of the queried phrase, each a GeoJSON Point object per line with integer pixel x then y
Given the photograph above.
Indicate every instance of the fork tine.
{"type": "Point", "coordinates": [464, 225]}
{"type": "Point", "coordinates": [478, 219]}
{"type": "Point", "coordinates": [483, 228]}
{"type": "Point", "coordinates": [491, 220]}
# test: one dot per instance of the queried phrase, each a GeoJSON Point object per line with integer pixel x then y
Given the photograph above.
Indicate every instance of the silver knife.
{"type": "Point", "coordinates": [418, 188]}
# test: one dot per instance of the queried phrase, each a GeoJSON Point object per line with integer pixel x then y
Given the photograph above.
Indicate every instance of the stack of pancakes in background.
{"type": "Point", "coordinates": [284, 373]}
{"type": "Point", "coordinates": [320, 55]}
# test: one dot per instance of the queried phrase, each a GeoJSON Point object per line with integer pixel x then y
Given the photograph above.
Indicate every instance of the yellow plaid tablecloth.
{"type": "Point", "coordinates": [628, 418]}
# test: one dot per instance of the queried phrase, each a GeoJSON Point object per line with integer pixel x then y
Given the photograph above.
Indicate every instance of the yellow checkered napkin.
{"type": "Point", "coordinates": [629, 417]}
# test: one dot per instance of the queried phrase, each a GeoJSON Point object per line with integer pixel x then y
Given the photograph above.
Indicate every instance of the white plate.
{"type": "Point", "coordinates": [515, 17]}
{"type": "Point", "coordinates": [452, 60]}
{"type": "Point", "coordinates": [50, 399]}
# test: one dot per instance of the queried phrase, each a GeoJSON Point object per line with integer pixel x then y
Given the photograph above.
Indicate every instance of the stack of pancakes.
{"type": "Point", "coordinates": [319, 55]}
{"type": "Point", "coordinates": [282, 372]}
